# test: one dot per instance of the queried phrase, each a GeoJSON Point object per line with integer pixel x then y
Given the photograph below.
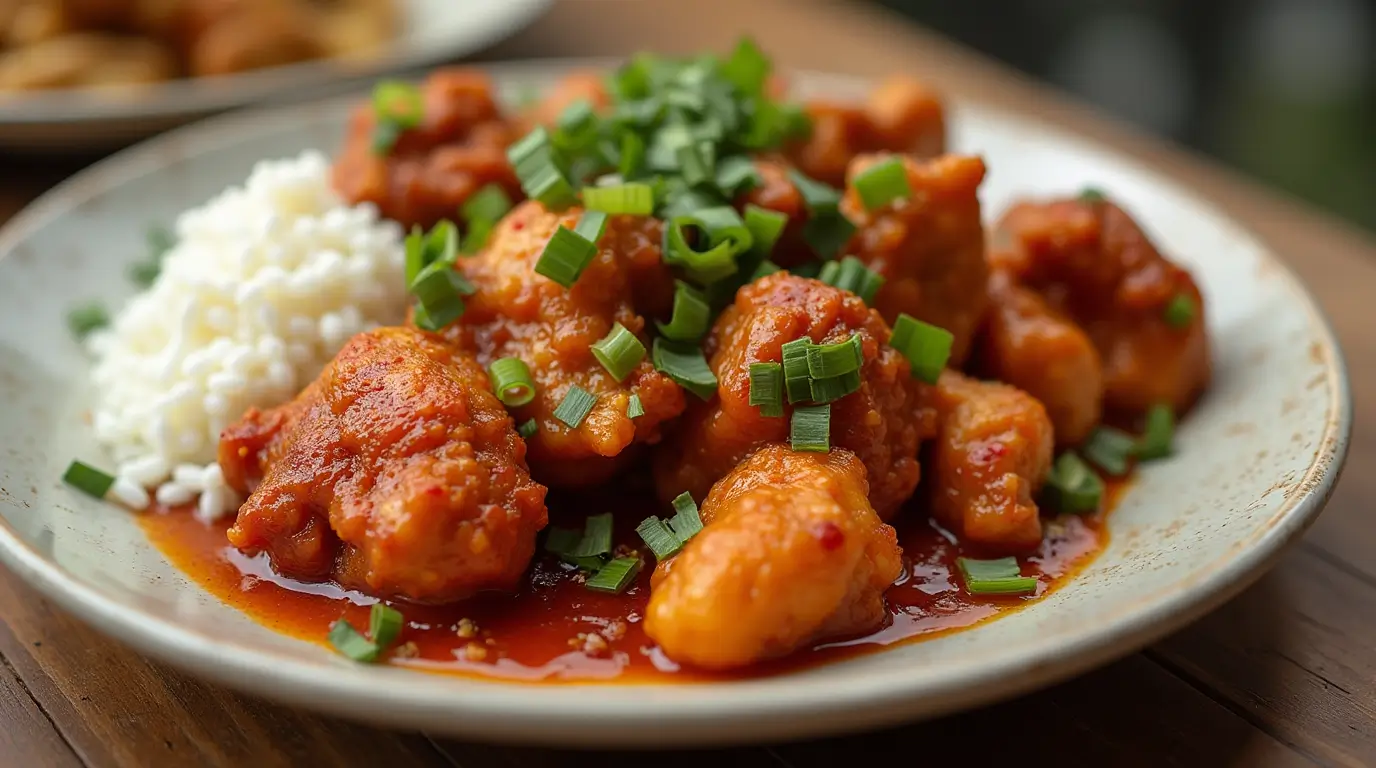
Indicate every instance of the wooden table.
{"type": "Point", "coordinates": [1283, 675]}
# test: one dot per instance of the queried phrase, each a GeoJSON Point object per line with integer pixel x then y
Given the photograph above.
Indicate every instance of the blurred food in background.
{"type": "Point", "coordinates": [124, 44]}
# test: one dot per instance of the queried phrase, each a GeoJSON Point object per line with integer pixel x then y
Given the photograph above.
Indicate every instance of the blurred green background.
{"type": "Point", "coordinates": [1283, 90]}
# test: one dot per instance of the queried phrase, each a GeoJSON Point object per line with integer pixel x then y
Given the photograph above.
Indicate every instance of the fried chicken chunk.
{"type": "Point", "coordinates": [989, 458]}
{"type": "Point", "coordinates": [792, 553]}
{"type": "Point", "coordinates": [1026, 342]}
{"type": "Point", "coordinates": [397, 472]}
{"type": "Point", "coordinates": [459, 148]}
{"type": "Point", "coordinates": [882, 423]}
{"type": "Point", "coordinates": [929, 248]}
{"type": "Point", "coordinates": [1145, 315]}
{"type": "Point", "coordinates": [518, 313]}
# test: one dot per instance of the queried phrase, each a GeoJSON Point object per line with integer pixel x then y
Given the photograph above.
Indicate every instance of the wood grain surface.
{"type": "Point", "coordinates": [1283, 675]}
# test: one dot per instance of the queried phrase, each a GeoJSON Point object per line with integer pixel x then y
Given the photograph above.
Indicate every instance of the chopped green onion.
{"type": "Point", "coordinates": [615, 576]}
{"type": "Point", "coordinates": [796, 379]}
{"type": "Point", "coordinates": [541, 177]}
{"type": "Point", "coordinates": [810, 429]}
{"type": "Point", "coordinates": [1072, 486]}
{"type": "Point", "coordinates": [350, 643]}
{"type": "Point", "coordinates": [619, 352]}
{"type": "Point", "coordinates": [591, 225]}
{"type": "Point", "coordinates": [575, 406]}
{"type": "Point", "coordinates": [634, 407]}
{"type": "Point", "coordinates": [439, 290]}
{"type": "Point", "coordinates": [528, 429]}
{"type": "Point", "coordinates": [827, 360]}
{"type": "Point", "coordinates": [883, 183]}
{"type": "Point", "coordinates": [632, 155]}
{"type": "Point", "coordinates": [635, 198]}
{"type": "Point", "coordinates": [686, 523]}
{"type": "Point", "coordinates": [576, 125]}
{"type": "Point", "coordinates": [1109, 449]}
{"type": "Point", "coordinates": [686, 365]}
{"type": "Point", "coordinates": [851, 274]}
{"type": "Point", "coordinates": [438, 316]}
{"type": "Point", "coordinates": [597, 537]}
{"type": "Point", "coordinates": [747, 68]}
{"type": "Point", "coordinates": [565, 257]}
{"type": "Point", "coordinates": [819, 198]}
{"type": "Point", "coordinates": [695, 163]}
{"type": "Point", "coordinates": [726, 236]}
{"type": "Point", "coordinates": [764, 268]}
{"type": "Point", "coordinates": [1092, 195]}
{"type": "Point", "coordinates": [490, 203]}
{"type": "Point", "coordinates": [835, 387]}
{"type": "Point", "coordinates": [828, 234]}
{"type": "Point", "coordinates": [479, 232]}
{"type": "Point", "coordinates": [765, 227]}
{"type": "Point", "coordinates": [85, 320]}
{"type": "Point", "coordinates": [397, 107]}
{"type": "Point", "coordinates": [1179, 312]}
{"type": "Point", "coordinates": [385, 136]}
{"type": "Point", "coordinates": [926, 346]}
{"type": "Point", "coordinates": [767, 388]}
{"type": "Point", "coordinates": [995, 577]}
{"type": "Point", "coordinates": [384, 625]}
{"type": "Point", "coordinates": [423, 250]}
{"type": "Point", "coordinates": [88, 479]}
{"type": "Point", "coordinates": [562, 541]}
{"type": "Point", "coordinates": [1157, 434]}
{"type": "Point", "coordinates": [659, 538]}
{"type": "Point", "coordinates": [511, 381]}
{"type": "Point", "coordinates": [737, 174]}
{"type": "Point", "coordinates": [690, 317]}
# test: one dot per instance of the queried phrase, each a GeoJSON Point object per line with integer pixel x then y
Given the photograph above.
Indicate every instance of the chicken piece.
{"type": "Point", "coordinates": [256, 36]}
{"type": "Point", "coordinates": [882, 423]}
{"type": "Point", "coordinates": [85, 59]}
{"type": "Point", "coordinates": [1092, 262]}
{"type": "Point", "coordinates": [398, 473]}
{"type": "Point", "coordinates": [459, 148]}
{"type": "Point", "coordinates": [1027, 343]}
{"type": "Point", "coordinates": [929, 248]}
{"type": "Point", "coordinates": [518, 313]}
{"type": "Point", "coordinates": [989, 459]}
{"type": "Point", "coordinates": [589, 86]}
{"type": "Point", "coordinates": [792, 553]}
{"type": "Point", "coordinates": [901, 115]}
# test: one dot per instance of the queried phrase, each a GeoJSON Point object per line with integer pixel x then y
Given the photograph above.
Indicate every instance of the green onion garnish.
{"type": "Point", "coordinates": [1179, 312]}
{"type": "Point", "coordinates": [575, 406]}
{"type": "Point", "coordinates": [695, 163]}
{"type": "Point", "coordinates": [819, 198]}
{"type": "Point", "coordinates": [883, 183]}
{"type": "Point", "coordinates": [597, 537]}
{"type": "Point", "coordinates": [686, 522]}
{"type": "Point", "coordinates": [659, 538]}
{"type": "Point", "coordinates": [591, 225]}
{"type": "Point", "coordinates": [1091, 195]}
{"type": "Point", "coordinates": [690, 317]}
{"type": "Point", "coordinates": [634, 407]}
{"type": "Point", "coordinates": [765, 227]}
{"type": "Point", "coordinates": [1109, 449]}
{"type": "Point", "coordinates": [764, 268]}
{"type": "Point", "coordinates": [384, 624]}
{"type": "Point", "coordinates": [84, 320]}
{"type": "Point", "coordinates": [397, 107]}
{"type": "Point", "coordinates": [88, 479]}
{"type": "Point", "coordinates": [634, 198]}
{"type": "Point", "coordinates": [423, 250]}
{"type": "Point", "coordinates": [726, 236]}
{"type": "Point", "coordinates": [810, 429]}
{"type": "Point", "coordinates": [835, 387]}
{"type": "Point", "coordinates": [511, 381]}
{"type": "Point", "coordinates": [1072, 486]}
{"type": "Point", "coordinates": [632, 155]}
{"type": "Point", "coordinates": [828, 234]}
{"type": "Point", "coordinates": [796, 379]}
{"type": "Point", "coordinates": [851, 274]}
{"type": "Point", "coordinates": [562, 541]}
{"type": "Point", "coordinates": [439, 289]}
{"type": "Point", "coordinates": [438, 316]}
{"type": "Point", "coordinates": [767, 388]}
{"type": "Point", "coordinates": [528, 429]}
{"type": "Point", "coordinates": [926, 346]}
{"type": "Point", "coordinates": [576, 126]}
{"type": "Point", "coordinates": [736, 175]}
{"type": "Point", "coordinates": [1157, 434]}
{"type": "Point", "coordinates": [827, 360]}
{"type": "Point", "coordinates": [490, 203]}
{"type": "Point", "coordinates": [619, 352]}
{"type": "Point", "coordinates": [995, 577]}
{"type": "Point", "coordinates": [542, 178]}
{"type": "Point", "coordinates": [615, 576]}
{"type": "Point", "coordinates": [566, 255]}
{"type": "Point", "coordinates": [747, 68]}
{"type": "Point", "coordinates": [686, 365]}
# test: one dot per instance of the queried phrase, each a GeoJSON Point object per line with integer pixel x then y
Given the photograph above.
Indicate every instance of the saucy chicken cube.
{"type": "Point", "coordinates": [989, 458]}
{"type": "Point", "coordinates": [459, 148]}
{"type": "Point", "coordinates": [1095, 265]}
{"type": "Point", "coordinates": [519, 313]}
{"type": "Point", "coordinates": [929, 247]}
{"type": "Point", "coordinates": [398, 472]}
{"type": "Point", "coordinates": [882, 423]}
{"type": "Point", "coordinates": [792, 553]}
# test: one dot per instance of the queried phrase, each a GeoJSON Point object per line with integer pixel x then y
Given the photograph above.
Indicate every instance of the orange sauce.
{"type": "Point", "coordinates": [541, 633]}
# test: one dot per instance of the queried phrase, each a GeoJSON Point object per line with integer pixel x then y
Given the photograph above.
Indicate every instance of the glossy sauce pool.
{"type": "Point", "coordinates": [554, 629]}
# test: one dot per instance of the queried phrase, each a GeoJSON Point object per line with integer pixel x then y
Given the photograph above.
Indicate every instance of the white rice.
{"type": "Point", "coordinates": [266, 283]}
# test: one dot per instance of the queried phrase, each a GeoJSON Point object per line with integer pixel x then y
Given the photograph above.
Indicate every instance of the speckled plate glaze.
{"type": "Point", "coordinates": [1255, 463]}
{"type": "Point", "coordinates": [432, 31]}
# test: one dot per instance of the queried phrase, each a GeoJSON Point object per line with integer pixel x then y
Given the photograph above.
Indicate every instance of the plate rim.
{"type": "Point", "coordinates": [754, 712]}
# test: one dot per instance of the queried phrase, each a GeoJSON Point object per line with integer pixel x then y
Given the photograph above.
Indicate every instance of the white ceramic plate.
{"type": "Point", "coordinates": [432, 31]}
{"type": "Point", "coordinates": [1256, 461]}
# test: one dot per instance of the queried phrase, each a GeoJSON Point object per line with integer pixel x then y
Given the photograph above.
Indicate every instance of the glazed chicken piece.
{"type": "Point", "coordinates": [397, 472]}
{"type": "Point", "coordinates": [518, 313]}
{"type": "Point", "coordinates": [929, 248]}
{"type": "Point", "coordinates": [988, 461]}
{"type": "Point", "coordinates": [882, 423]}
{"type": "Point", "coordinates": [1027, 343]}
{"type": "Point", "coordinates": [901, 115]}
{"type": "Point", "coordinates": [1092, 263]}
{"type": "Point", "coordinates": [459, 148]}
{"type": "Point", "coordinates": [792, 553]}
{"type": "Point", "coordinates": [587, 86]}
